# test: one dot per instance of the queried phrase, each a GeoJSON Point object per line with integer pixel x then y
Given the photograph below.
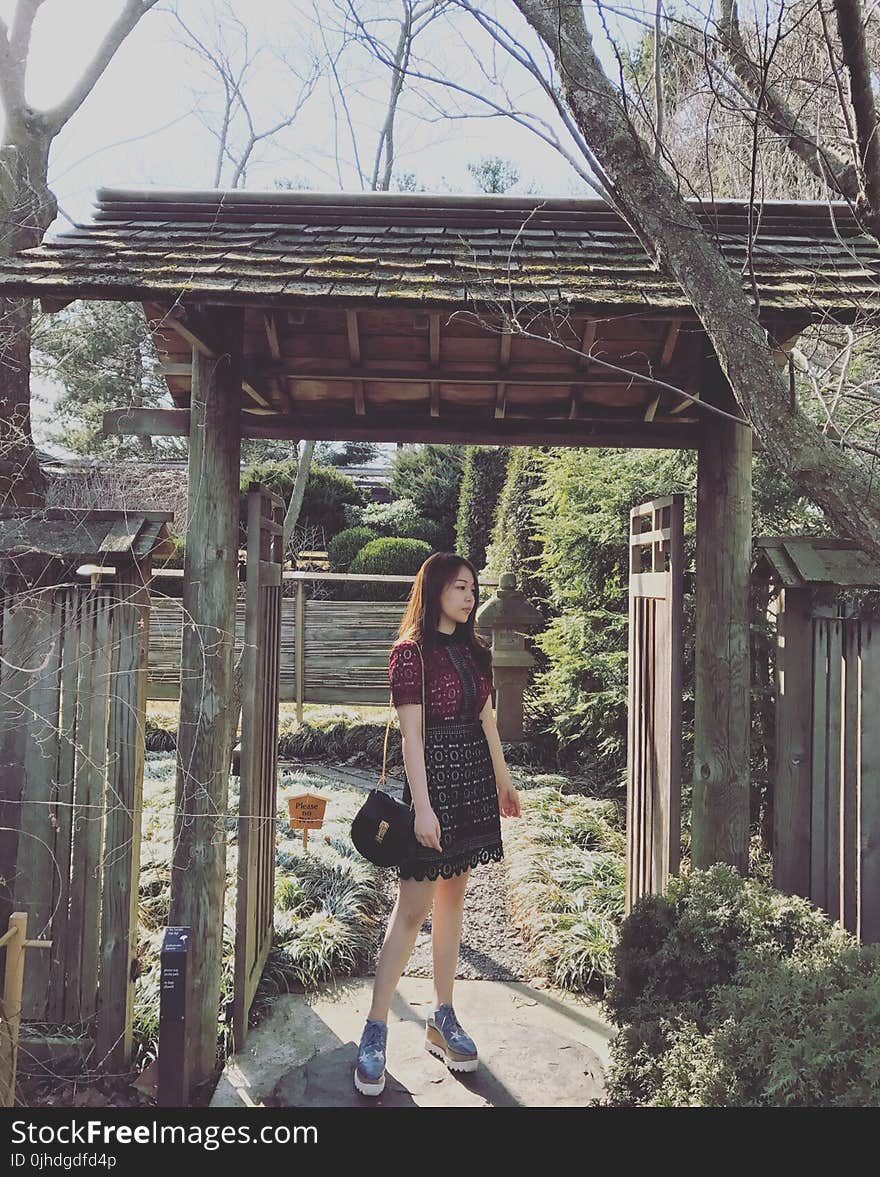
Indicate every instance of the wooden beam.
{"type": "Point", "coordinates": [574, 402]}
{"type": "Point", "coordinates": [435, 398]}
{"type": "Point", "coordinates": [670, 342]}
{"type": "Point", "coordinates": [685, 404]}
{"type": "Point", "coordinates": [720, 804]}
{"type": "Point", "coordinates": [500, 399]}
{"type": "Point", "coordinates": [588, 338]}
{"type": "Point", "coordinates": [255, 396]}
{"type": "Point", "coordinates": [651, 410]}
{"type": "Point", "coordinates": [434, 340]}
{"type": "Point", "coordinates": [420, 373]}
{"type": "Point", "coordinates": [50, 304]}
{"type": "Point", "coordinates": [271, 327]}
{"type": "Point", "coordinates": [190, 334]}
{"type": "Point", "coordinates": [359, 405]}
{"type": "Point", "coordinates": [205, 737]}
{"type": "Point", "coordinates": [504, 346]}
{"type": "Point", "coordinates": [170, 370]}
{"type": "Point", "coordinates": [793, 759]}
{"type": "Point", "coordinates": [450, 428]}
{"type": "Point", "coordinates": [354, 338]}
{"type": "Point", "coordinates": [147, 422]}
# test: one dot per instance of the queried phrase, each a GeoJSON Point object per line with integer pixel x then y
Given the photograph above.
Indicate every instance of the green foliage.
{"type": "Point", "coordinates": [346, 453]}
{"type": "Point", "coordinates": [483, 476]}
{"type": "Point", "coordinates": [388, 557]}
{"type": "Point", "coordinates": [345, 546]}
{"type": "Point", "coordinates": [566, 886]}
{"type": "Point", "coordinates": [426, 530]}
{"type": "Point", "coordinates": [516, 545]}
{"type": "Point", "coordinates": [731, 994]}
{"type": "Point", "coordinates": [492, 173]}
{"type": "Point", "coordinates": [430, 477]}
{"type": "Point", "coordinates": [102, 355]}
{"type": "Point", "coordinates": [328, 492]}
{"type": "Point", "coordinates": [581, 516]}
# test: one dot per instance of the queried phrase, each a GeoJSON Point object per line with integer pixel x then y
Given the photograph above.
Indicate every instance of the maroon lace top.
{"type": "Point", "coordinates": [456, 686]}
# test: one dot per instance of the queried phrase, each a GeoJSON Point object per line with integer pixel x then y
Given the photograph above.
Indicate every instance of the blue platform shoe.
{"type": "Point", "coordinates": [369, 1074]}
{"type": "Point", "coordinates": [445, 1038]}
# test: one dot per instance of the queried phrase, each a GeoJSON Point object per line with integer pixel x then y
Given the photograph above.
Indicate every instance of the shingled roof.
{"type": "Point", "coordinates": [291, 247]}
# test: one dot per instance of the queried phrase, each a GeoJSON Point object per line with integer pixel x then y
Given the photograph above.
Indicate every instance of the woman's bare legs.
{"type": "Point", "coordinates": [414, 898]}
{"type": "Point", "coordinates": [446, 934]}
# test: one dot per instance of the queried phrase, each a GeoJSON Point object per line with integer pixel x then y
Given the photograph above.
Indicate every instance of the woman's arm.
{"type": "Point", "coordinates": [410, 716]}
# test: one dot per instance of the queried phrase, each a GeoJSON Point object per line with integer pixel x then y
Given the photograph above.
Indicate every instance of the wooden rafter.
{"type": "Point", "coordinates": [504, 347]}
{"type": "Point", "coordinates": [500, 400]}
{"type": "Point", "coordinates": [277, 391]}
{"type": "Point", "coordinates": [588, 338]}
{"type": "Point", "coordinates": [271, 326]}
{"type": "Point", "coordinates": [670, 342]}
{"type": "Point", "coordinates": [354, 338]}
{"type": "Point", "coordinates": [434, 340]}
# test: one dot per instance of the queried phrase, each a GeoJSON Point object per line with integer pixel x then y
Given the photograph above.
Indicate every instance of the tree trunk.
{"type": "Point", "coordinates": [650, 203]}
{"type": "Point", "coordinates": [27, 208]}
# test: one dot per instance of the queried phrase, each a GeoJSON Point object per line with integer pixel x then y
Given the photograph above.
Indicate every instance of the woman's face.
{"type": "Point", "coordinates": [458, 598]}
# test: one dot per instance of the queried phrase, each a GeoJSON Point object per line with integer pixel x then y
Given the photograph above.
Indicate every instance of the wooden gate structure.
{"type": "Point", "coordinates": [396, 317]}
{"type": "Point", "coordinates": [656, 639]}
{"type": "Point", "coordinates": [72, 710]}
{"type": "Point", "coordinates": [826, 771]}
{"type": "Point", "coordinates": [255, 894]}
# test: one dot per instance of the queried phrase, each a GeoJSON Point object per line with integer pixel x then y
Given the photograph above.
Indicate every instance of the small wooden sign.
{"type": "Point", "coordinates": [306, 813]}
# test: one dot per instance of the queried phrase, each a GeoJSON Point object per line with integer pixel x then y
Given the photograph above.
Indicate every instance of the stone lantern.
{"type": "Point", "coordinates": [508, 613]}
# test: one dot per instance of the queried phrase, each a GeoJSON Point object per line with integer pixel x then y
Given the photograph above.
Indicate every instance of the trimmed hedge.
{"type": "Point", "coordinates": [388, 557]}
{"type": "Point", "coordinates": [343, 548]}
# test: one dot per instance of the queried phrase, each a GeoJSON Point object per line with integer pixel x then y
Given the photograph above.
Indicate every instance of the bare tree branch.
{"type": "Point", "coordinates": [675, 238]}
{"type": "Point", "coordinates": [855, 55]}
{"type": "Point", "coordinates": [824, 162]}
{"type": "Point", "coordinates": [59, 115]}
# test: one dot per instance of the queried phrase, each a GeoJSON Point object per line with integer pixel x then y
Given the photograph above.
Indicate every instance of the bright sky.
{"type": "Point", "coordinates": [145, 122]}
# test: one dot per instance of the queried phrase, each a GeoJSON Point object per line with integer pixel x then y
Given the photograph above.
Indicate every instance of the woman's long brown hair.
{"type": "Point", "coordinates": [422, 614]}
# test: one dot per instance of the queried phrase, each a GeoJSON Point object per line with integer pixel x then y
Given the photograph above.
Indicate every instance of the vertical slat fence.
{"type": "Point", "coordinates": [654, 696]}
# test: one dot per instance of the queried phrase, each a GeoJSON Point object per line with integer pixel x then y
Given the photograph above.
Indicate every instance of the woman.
{"type": "Point", "coordinates": [459, 785]}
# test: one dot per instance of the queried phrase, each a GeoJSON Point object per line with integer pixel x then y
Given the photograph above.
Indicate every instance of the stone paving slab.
{"type": "Point", "coordinates": [539, 1047]}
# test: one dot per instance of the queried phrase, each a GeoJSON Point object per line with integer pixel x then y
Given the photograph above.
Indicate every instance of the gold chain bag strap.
{"type": "Point", "coordinates": [383, 830]}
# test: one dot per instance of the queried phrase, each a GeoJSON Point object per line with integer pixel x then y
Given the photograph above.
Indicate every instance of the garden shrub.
{"type": "Point", "coordinates": [730, 993]}
{"type": "Point", "coordinates": [388, 557]}
{"type": "Point", "coordinates": [328, 492]}
{"type": "Point", "coordinates": [426, 530]}
{"type": "Point", "coordinates": [345, 546]}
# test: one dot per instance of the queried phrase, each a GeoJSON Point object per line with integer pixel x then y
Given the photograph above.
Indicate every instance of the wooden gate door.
{"type": "Point", "coordinates": [656, 618]}
{"type": "Point", "coordinates": [255, 903]}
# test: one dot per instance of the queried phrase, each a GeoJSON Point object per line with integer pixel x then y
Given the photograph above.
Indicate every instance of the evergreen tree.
{"type": "Point", "coordinates": [484, 472]}
{"type": "Point", "coordinates": [102, 356]}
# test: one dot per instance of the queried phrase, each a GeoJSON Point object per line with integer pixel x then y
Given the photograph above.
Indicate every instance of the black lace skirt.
{"type": "Point", "coordinates": [463, 794]}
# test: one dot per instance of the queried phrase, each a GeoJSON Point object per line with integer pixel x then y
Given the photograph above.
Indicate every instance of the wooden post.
{"type": "Point", "coordinates": [122, 831]}
{"type": "Point", "coordinates": [299, 652]}
{"type": "Point", "coordinates": [792, 773]}
{"type": "Point", "coordinates": [205, 733]}
{"type": "Point", "coordinates": [14, 940]}
{"type": "Point", "coordinates": [720, 804]}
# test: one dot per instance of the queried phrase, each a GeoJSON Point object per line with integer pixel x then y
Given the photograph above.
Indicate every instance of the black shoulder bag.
{"type": "Point", "coordinates": [383, 830]}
